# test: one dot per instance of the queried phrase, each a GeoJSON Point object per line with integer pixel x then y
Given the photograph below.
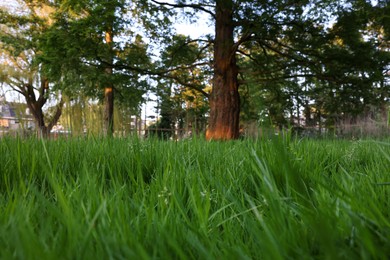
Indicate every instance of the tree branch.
{"type": "Point", "coordinates": [244, 38]}
{"type": "Point", "coordinates": [57, 114]}
{"type": "Point", "coordinates": [162, 73]}
{"type": "Point", "coordinates": [189, 85]}
{"type": "Point", "coordinates": [199, 52]}
{"type": "Point", "coordinates": [42, 92]}
{"type": "Point", "coordinates": [194, 6]}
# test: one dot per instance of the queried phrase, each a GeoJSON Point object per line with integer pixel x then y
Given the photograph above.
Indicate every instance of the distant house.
{"type": "Point", "coordinates": [15, 116]}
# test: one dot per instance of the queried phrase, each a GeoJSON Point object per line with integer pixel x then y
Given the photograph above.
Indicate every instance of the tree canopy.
{"type": "Point", "coordinates": [320, 60]}
{"type": "Point", "coordinates": [296, 53]}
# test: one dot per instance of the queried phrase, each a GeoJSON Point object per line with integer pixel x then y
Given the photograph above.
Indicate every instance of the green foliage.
{"type": "Point", "coordinates": [21, 70]}
{"type": "Point", "coordinates": [127, 198]}
{"type": "Point", "coordinates": [75, 50]}
{"type": "Point", "coordinates": [329, 55]}
{"type": "Point", "coordinates": [183, 91]}
{"type": "Point", "coordinates": [328, 58]}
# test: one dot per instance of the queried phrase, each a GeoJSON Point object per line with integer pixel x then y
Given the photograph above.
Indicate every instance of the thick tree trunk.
{"type": "Point", "coordinates": [109, 95]}
{"type": "Point", "coordinates": [224, 99]}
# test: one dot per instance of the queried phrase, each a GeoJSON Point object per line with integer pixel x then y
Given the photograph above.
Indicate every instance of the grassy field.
{"type": "Point", "coordinates": [134, 199]}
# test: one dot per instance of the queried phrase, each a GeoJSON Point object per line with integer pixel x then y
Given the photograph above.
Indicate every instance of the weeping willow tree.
{"type": "Point", "coordinates": [83, 116]}
{"type": "Point", "coordinates": [20, 67]}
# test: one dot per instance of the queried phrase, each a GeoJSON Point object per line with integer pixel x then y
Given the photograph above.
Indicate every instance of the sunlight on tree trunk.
{"type": "Point", "coordinates": [109, 111]}
{"type": "Point", "coordinates": [224, 99]}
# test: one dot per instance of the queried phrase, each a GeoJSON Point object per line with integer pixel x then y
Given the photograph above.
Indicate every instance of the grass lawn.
{"type": "Point", "coordinates": [135, 199]}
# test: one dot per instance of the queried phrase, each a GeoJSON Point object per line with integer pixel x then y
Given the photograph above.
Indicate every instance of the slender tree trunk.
{"type": "Point", "coordinates": [36, 108]}
{"type": "Point", "coordinates": [43, 130]}
{"type": "Point", "coordinates": [224, 99]}
{"type": "Point", "coordinates": [109, 96]}
{"type": "Point", "coordinates": [109, 111]}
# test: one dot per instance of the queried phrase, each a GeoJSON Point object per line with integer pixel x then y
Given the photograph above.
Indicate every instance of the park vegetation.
{"type": "Point", "coordinates": [272, 194]}
{"type": "Point", "coordinates": [148, 199]}
{"type": "Point", "coordinates": [313, 63]}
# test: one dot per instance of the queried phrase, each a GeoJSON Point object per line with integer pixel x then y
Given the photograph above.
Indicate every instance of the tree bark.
{"type": "Point", "coordinates": [224, 99]}
{"type": "Point", "coordinates": [36, 107]}
{"type": "Point", "coordinates": [37, 112]}
{"type": "Point", "coordinates": [109, 111]}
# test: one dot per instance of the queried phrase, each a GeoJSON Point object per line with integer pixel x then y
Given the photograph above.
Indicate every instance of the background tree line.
{"type": "Point", "coordinates": [271, 62]}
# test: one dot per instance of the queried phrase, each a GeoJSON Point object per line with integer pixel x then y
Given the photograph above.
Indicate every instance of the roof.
{"type": "Point", "coordinates": [11, 111]}
{"type": "Point", "coordinates": [14, 110]}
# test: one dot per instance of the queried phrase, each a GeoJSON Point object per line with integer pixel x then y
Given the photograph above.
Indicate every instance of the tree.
{"type": "Point", "coordinates": [224, 99]}
{"type": "Point", "coordinates": [292, 36]}
{"type": "Point", "coordinates": [86, 47]}
{"type": "Point", "coordinates": [183, 101]}
{"type": "Point", "coordinates": [20, 69]}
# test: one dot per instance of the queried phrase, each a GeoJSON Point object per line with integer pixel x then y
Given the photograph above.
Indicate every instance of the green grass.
{"type": "Point", "coordinates": [134, 199]}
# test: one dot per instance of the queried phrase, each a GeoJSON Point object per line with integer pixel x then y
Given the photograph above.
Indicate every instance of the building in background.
{"type": "Point", "coordinates": [15, 117]}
